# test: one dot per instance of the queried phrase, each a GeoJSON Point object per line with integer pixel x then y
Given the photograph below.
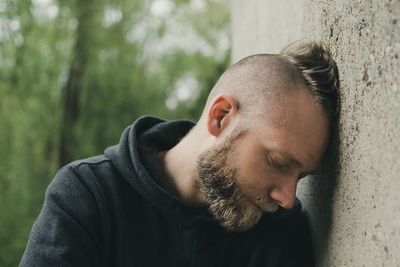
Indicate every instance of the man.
{"type": "Point", "coordinates": [221, 192]}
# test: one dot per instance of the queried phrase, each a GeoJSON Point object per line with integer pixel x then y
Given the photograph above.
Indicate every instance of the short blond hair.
{"type": "Point", "coordinates": [319, 71]}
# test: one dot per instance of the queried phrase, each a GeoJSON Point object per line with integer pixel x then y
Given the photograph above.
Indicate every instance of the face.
{"type": "Point", "coordinates": [256, 170]}
{"type": "Point", "coordinates": [234, 207]}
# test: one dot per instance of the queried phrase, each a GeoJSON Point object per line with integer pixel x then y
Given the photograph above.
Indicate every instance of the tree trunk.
{"type": "Point", "coordinates": [73, 89]}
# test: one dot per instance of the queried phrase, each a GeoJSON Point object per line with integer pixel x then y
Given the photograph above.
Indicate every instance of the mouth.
{"type": "Point", "coordinates": [271, 206]}
{"type": "Point", "coordinates": [273, 209]}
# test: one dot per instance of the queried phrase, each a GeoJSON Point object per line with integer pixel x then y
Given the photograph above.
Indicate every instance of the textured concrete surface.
{"type": "Point", "coordinates": [258, 28]}
{"type": "Point", "coordinates": [354, 205]}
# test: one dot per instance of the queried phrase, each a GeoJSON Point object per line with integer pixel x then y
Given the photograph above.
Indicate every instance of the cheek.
{"type": "Point", "coordinates": [252, 171]}
{"type": "Point", "coordinates": [254, 174]}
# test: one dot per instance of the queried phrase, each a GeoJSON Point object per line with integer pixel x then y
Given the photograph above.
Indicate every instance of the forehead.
{"type": "Point", "coordinates": [294, 125]}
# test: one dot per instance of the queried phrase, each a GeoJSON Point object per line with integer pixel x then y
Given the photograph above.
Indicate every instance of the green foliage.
{"type": "Point", "coordinates": [140, 57]}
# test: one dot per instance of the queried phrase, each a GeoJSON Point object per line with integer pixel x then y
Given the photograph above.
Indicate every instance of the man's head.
{"type": "Point", "coordinates": [267, 121]}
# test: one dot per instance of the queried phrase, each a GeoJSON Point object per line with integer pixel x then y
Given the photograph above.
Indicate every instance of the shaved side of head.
{"type": "Point", "coordinates": [258, 82]}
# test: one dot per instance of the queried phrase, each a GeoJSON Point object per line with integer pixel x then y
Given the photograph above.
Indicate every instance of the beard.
{"type": "Point", "coordinates": [234, 208]}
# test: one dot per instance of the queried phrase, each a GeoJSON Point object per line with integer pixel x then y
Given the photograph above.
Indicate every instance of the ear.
{"type": "Point", "coordinates": [221, 112]}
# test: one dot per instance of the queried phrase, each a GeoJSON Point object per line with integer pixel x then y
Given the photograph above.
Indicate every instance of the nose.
{"type": "Point", "coordinates": [284, 196]}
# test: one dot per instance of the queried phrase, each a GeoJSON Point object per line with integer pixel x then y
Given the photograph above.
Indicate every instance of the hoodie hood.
{"type": "Point", "coordinates": [153, 132]}
{"type": "Point", "coordinates": [127, 159]}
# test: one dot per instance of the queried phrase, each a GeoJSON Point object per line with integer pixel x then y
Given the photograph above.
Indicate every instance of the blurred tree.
{"type": "Point", "coordinates": [74, 73]}
{"type": "Point", "coordinates": [73, 88]}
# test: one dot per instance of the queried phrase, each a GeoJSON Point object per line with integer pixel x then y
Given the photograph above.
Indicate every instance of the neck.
{"type": "Point", "coordinates": [180, 165]}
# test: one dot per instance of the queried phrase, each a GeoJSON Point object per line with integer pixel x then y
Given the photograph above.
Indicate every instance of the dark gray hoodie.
{"type": "Point", "coordinates": [110, 210]}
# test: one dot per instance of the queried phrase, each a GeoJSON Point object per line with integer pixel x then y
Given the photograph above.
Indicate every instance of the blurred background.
{"type": "Point", "coordinates": [75, 73]}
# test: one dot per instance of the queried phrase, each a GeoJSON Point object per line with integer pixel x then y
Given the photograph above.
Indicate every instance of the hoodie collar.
{"type": "Point", "coordinates": [150, 132]}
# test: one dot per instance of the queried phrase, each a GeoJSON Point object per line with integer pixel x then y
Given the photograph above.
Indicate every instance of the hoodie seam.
{"type": "Point", "coordinates": [180, 236]}
{"type": "Point", "coordinates": [195, 244]}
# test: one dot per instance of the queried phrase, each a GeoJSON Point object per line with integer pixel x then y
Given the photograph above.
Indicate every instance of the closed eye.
{"type": "Point", "coordinates": [277, 164]}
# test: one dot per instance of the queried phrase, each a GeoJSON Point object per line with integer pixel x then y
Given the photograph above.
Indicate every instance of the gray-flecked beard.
{"type": "Point", "coordinates": [235, 210]}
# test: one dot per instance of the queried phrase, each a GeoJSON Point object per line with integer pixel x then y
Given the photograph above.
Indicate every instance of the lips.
{"type": "Point", "coordinates": [269, 205]}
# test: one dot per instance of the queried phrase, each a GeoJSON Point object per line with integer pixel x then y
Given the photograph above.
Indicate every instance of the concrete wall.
{"type": "Point", "coordinates": [354, 206]}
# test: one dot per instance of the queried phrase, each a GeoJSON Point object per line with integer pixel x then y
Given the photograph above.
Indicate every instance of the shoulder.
{"type": "Point", "coordinates": [97, 164]}
{"type": "Point", "coordinates": [70, 224]}
{"type": "Point", "coordinates": [82, 174]}
{"type": "Point", "coordinates": [77, 185]}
